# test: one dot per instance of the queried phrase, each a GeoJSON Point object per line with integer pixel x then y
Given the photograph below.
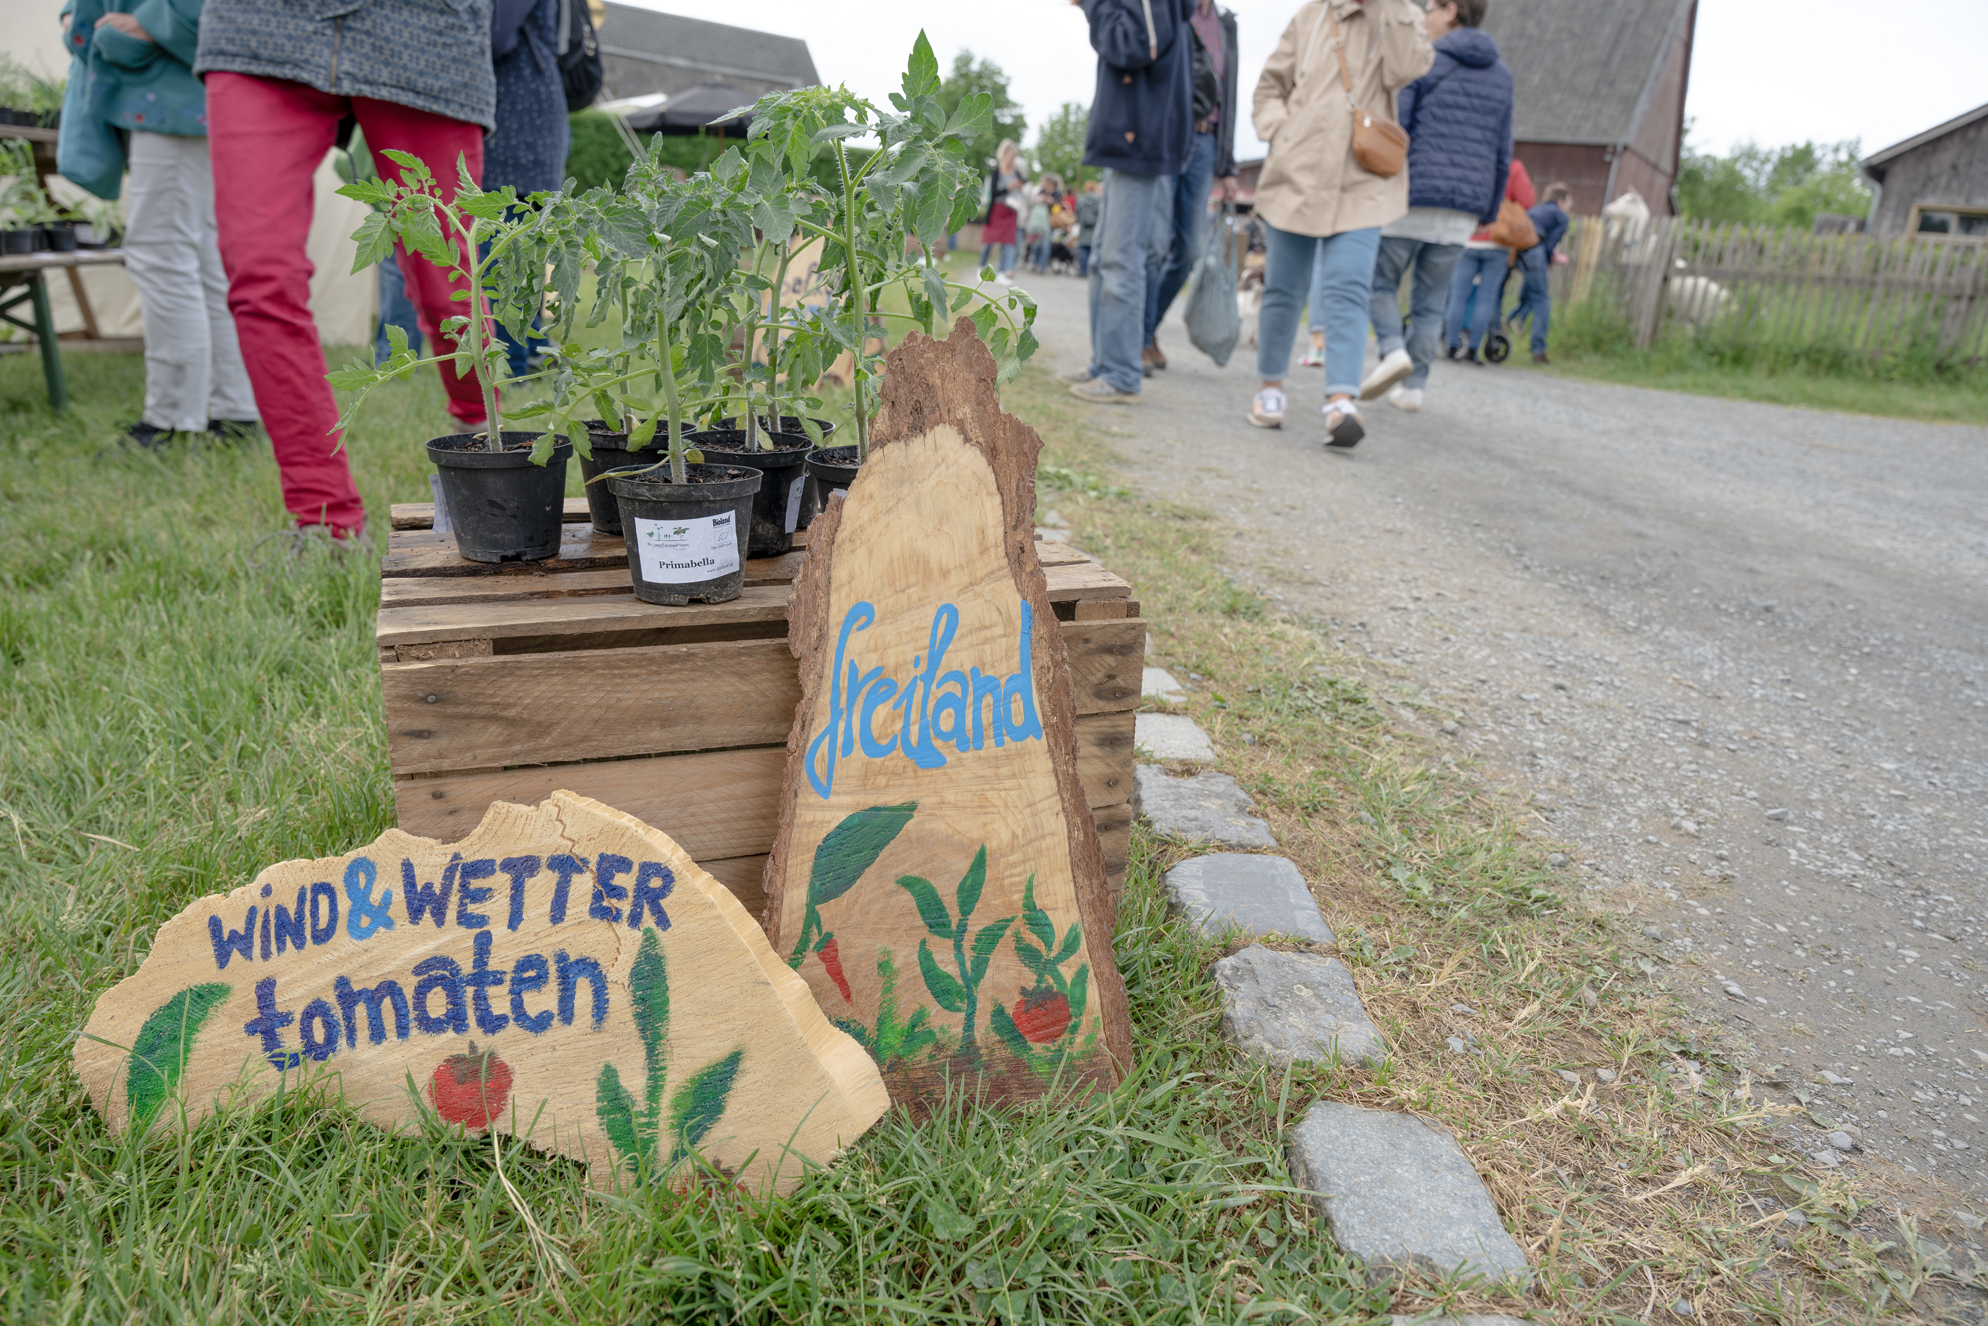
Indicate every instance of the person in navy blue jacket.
{"type": "Point", "coordinates": [1459, 122]}
{"type": "Point", "coordinates": [1141, 128]}
{"type": "Point", "coordinates": [1549, 221]}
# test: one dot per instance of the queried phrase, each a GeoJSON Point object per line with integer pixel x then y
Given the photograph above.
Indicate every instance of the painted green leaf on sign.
{"type": "Point", "coordinates": [159, 1054]}
{"type": "Point", "coordinates": [852, 847]}
{"type": "Point", "coordinates": [699, 1102]}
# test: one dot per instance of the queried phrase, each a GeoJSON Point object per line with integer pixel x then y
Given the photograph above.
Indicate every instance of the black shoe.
{"type": "Point", "coordinates": [148, 437]}
{"type": "Point", "coordinates": [235, 430]}
{"type": "Point", "coordinates": [1540, 358]}
{"type": "Point", "coordinates": [1346, 431]}
{"type": "Point", "coordinates": [1471, 358]}
{"type": "Point", "coordinates": [1449, 352]}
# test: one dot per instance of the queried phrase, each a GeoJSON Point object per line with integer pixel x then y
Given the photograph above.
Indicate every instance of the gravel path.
{"type": "Point", "coordinates": [1734, 652]}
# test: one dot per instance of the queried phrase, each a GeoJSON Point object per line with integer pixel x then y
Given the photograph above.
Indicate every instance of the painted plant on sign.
{"type": "Point", "coordinates": [698, 1103]}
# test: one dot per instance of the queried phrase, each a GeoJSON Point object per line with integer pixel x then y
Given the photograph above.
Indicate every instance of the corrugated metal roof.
{"type": "Point", "coordinates": [713, 48]}
{"type": "Point", "coordinates": [1582, 67]}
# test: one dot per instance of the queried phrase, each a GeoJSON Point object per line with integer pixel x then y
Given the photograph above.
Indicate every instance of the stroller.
{"type": "Point", "coordinates": [1497, 344]}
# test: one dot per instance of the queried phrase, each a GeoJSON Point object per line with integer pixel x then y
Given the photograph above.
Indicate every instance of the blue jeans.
{"type": "Point", "coordinates": [1038, 251]}
{"type": "Point", "coordinates": [1083, 260]}
{"type": "Point", "coordinates": [1534, 299]}
{"type": "Point", "coordinates": [1127, 251]}
{"type": "Point", "coordinates": [1347, 284]}
{"type": "Point", "coordinates": [1424, 332]}
{"type": "Point", "coordinates": [396, 310]}
{"type": "Point", "coordinates": [1007, 255]}
{"type": "Point", "coordinates": [1480, 305]}
{"type": "Point", "coordinates": [1190, 214]}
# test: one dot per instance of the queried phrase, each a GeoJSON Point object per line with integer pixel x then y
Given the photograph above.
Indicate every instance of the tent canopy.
{"type": "Point", "coordinates": [693, 111]}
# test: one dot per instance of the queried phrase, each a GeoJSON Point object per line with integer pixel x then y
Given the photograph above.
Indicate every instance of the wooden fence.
{"type": "Point", "coordinates": [1737, 284]}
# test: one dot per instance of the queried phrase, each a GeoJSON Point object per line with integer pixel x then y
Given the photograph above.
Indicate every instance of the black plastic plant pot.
{"type": "Point", "coordinates": [781, 506]}
{"type": "Point", "coordinates": [687, 543]}
{"type": "Point", "coordinates": [25, 239]}
{"type": "Point", "coordinates": [62, 236]}
{"type": "Point", "coordinates": [789, 423]}
{"type": "Point", "coordinates": [610, 453]}
{"type": "Point", "coordinates": [502, 507]}
{"type": "Point", "coordinates": [830, 470]}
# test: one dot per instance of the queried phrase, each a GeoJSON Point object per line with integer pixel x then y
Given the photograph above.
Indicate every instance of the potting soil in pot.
{"type": "Point", "coordinates": [781, 505]}
{"type": "Point", "coordinates": [610, 453]}
{"type": "Point", "coordinates": [830, 470]}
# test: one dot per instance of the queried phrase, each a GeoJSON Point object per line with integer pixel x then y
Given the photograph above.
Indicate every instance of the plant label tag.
{"type": "Point", "coordinates": [937, 877]}
{"type": "Point", "coordinates": [676, 552]}
{"type": "Point", "coordinates": [565, 975]}
{"type": "Point", "coordinates": [794, 491]}
{"type": "Point", "coordinates": [443, 525]}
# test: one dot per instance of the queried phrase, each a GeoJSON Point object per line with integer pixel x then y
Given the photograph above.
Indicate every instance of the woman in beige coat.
{"type": "Point", "coordinates": [1315, 197]}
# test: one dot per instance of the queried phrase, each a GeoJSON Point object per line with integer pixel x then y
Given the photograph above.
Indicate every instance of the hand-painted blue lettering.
{"type": "Point", "coordinates": [351, 999]}
{"type": "Point", "coordinates": [881, 689]}
{"type": "Point", "coordinates": [520, 869]}
{"type": "Point", "coordinates": [269, 1020]}
{"type": "Point", "coordinates": [290, 929]}
{"type": "Point", "coordinates": [529, 973]}
{"type": "Point", "coordinates": [606, 866]}
{"type": "Point", "coordinates": [227, 943]}
{"type": "Point", "coordinates": [937, 706]}
{"type": "Point", "coordinates": [364, 915]}
{"type": "Point", "coordinates": [467, 895]}
{"type": "Point", "coordinates": [820, 762]}
{"type": "Point", "coordinates": [564, 867]}
{"type": "Point", "coordinates": [265, 926]}
{"type": "Point", "coordinates": [481, 977]}
{"type": "Point", "coordinates": [987, 702]}
{"type": "Point", "coordinates": [653, 882]}
{"type": "Point", "coordinates": [440, 974]}
{"type": "Point", "coordinates": [319, 1047]}
{"type": "Point", "coordinates": [324, 912]}
{"type": "Point", "coordinates": [429, 899]}
{"type": "Point", "coordinates": [571, 972]}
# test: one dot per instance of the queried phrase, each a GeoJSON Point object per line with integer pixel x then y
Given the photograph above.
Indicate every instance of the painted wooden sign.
{"type": "Point", "coordinates": [565, 975]}
{"type": "Point", "coordinates": [937, 876]}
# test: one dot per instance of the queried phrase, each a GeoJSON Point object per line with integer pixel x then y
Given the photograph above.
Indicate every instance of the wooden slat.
{"type": "Point", "coordinates": [421, 515]}
{"type": "Point", "coordinates": [508, 618]}
{"type": "Point", "coordinates": [714, 803]}
{"type": "Point", "coordinates": [1115, 836]}
{"type": "Point", "coordinates": [426, 553]}
{"type": "Point", "coordinates": [1107, 661]}
{"type": "Point", "coordinates": [745, 876]}
{"type": "Point", "coordinates": [418, 591]}
{"type": "Point", "coordinates": [587, 704]}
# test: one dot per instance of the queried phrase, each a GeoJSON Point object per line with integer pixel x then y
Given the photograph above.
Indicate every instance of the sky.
{"type": "Point", "coordinates": [1774, 73]}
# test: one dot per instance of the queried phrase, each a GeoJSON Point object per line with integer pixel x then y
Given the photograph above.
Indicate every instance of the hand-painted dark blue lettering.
{"type": "Point", "coordinates": [481, 977]}
{"type": "Point", "coordinates": [440, 974]}
{"type": "Point", "coordinates": [319, 1047]}
{"type": "Point", "coordinates": [429, 899]}
{"type": "Point", "coordinates": [606, 867]}
{"type": "Point", "coordinates": [571, 972]}
{"type": "Point", "coordinates": [468, 895]}
{"type": "Point", "coordinates": [529, 973]}
{"type": "Point", "coordinates": [324, 912]}
{"type": "Point", "coordinates": [290, 929]}
{"type": "Point", "coordinates": [351, 999]}
{"type": "Point", "coordinates": [520, 869]}
{"type": "Point", "coordinates": [563, 867]}
{"type": "Point", "coordinates": [227, 943]}
{"type": "Point", "coordinates": [653, 882]}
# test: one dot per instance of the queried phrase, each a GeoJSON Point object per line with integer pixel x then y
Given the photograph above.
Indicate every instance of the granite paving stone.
{"type": "Point", "coordinates": [1289, 1007]}
{"type": "Point", "coordinates": [1208, 806]}
{"type": "Point", "coordinates": [1396, 1192]}
{"type": "Point", "coordinates": [1265, 895]}
{"type": "Point", "coordinates": [1171, 737]}
{"type": "Point", "coordinates": [1159, 684]}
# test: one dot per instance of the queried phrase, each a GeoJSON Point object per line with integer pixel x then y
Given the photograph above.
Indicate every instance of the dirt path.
{"type": "Point", "coordinates": [1737, 654]}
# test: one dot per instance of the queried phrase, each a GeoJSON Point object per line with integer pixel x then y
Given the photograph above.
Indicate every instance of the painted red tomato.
{"type": "Point", "coordinates": [470, 1089]}
{"type": "Point", "coordinates": [1041, 1015]}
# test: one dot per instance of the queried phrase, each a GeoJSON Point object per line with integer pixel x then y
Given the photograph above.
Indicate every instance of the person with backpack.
{"type": "Point", "coordinates": [1459, 122]}
{"type": "Point", "coordinates": [1550, 222]}
{"type": "Point", "coordinates": [1212, 157]}
{"type": "Point", "coordinates": [528, 148]}
{"type": "Point", "coordinates": [1477, 287]}
{"type": "Point", "coordinates": [132, 69]}
{"type": "Point", "coordinates": [281, 79]}
{"type": "Point", "coordinates": [1332, 179]}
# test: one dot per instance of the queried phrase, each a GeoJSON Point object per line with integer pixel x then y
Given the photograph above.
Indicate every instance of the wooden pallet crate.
{"type": "Point", "coordinates": [504, 683]}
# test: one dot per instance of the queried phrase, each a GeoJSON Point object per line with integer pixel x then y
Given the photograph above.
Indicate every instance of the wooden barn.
{"type": "Point", "coordinates": [1600, 93]}
{"type": "Point", "coordinates": [644, 53]}
{"type": "Point", "coordinates": [1934, 183]}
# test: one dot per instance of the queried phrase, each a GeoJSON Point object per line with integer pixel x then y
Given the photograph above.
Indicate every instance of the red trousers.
{"type": "Point", "coordinates": [267, 137]}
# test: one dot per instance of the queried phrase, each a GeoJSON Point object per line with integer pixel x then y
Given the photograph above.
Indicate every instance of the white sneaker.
{"type": "Point", "coordinates": [1267, 410]}
{"type": "Point", "coordinates": [1312, 358]}
{"type": "Point", "coordinates": [1343, 428]}
{"type": "Point", "coordinates": [1001, 278]}
{"type": "Point", "coordinates": [1393, 367]}
{"type": "Point", "coordinates": [1405, 398]}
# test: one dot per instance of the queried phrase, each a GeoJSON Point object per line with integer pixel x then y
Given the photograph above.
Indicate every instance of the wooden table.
{"type": "Point", "coordinates": [28, 271]}
{"type": "Point", "coordinates": [505, 683]}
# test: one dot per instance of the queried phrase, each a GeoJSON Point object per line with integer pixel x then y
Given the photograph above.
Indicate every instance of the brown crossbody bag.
{"type": "Point", "coordinates": [1380, 146]}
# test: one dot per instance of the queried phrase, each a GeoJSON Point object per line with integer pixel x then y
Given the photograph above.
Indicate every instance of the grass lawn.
{"type": "Point", "coordinates": [183, 703]}
{"type": "Point", "coordinates": [1953, 402]}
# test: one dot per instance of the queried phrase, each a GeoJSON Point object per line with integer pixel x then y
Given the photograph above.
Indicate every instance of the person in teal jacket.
{"type": "Point", "coordinates": [132, 87]}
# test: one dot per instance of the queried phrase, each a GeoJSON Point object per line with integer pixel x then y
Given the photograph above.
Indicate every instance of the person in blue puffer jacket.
{"type": "Point", "coordinates": [1459, 122]}
{"type": "Point", "coordinates": [1549, 222]}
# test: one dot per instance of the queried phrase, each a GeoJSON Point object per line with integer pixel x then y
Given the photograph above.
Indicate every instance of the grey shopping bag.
{"type": "Point", "coordinates": [1213, 323]}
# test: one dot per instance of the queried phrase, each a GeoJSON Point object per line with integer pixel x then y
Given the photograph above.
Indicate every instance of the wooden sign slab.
{"type": "Point", "coordinates": [937, 876]}
{"type": "Point", "coordinates": [566, 975]}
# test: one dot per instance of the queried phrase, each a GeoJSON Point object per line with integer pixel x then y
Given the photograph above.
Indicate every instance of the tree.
{"type": "Point", "coordinates": [970, 76]}
{"type": "Point", "coordinates": [1059, 144]}
{"type": "Point", "coordinates": [1784, 186]}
